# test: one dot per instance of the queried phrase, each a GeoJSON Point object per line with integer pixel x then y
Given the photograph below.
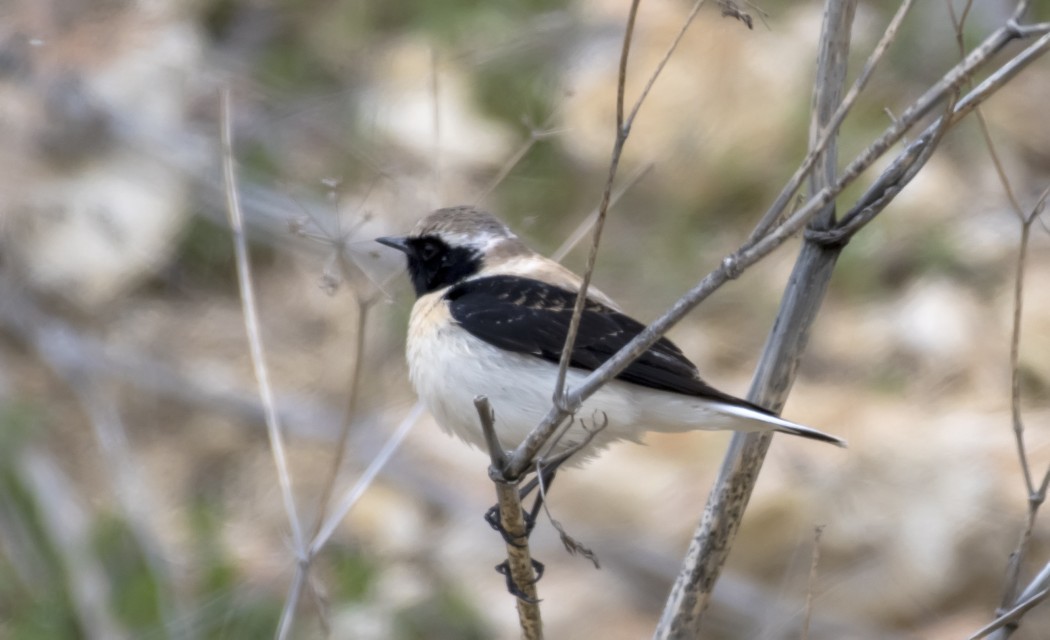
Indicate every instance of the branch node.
{"type": "Point", "coordinates": [731, 267]}
{"type": "Point", "coordinates": [833, 238]}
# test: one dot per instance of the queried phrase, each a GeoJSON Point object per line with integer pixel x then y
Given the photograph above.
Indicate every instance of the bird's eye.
{"type": "Point", "coordinates": [428, 251]}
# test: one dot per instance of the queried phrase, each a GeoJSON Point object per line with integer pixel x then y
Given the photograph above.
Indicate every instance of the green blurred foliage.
{"type": "Point", "coordinates": [446, 615]}
{"type": "Point", "coordinates": [353, 572]}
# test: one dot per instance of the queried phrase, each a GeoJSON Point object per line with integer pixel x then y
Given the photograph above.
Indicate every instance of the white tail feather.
{"type": "Point", "coordinates": [778, 423]}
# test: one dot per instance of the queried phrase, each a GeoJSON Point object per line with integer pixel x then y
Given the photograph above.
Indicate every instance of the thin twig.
{"type": "Point", "coordinates": [623, 130]}
{"type": "Point", "coordinates": [958, 22]}
{"type": "Point", "coordinates": [351, 497]}
{"type": "Point", "coordinates": [535, 135]}
{"type": "Point", "coordinates": [807, 611]}
{"type": "Point", "coordinates": [519, 567]}
{"type": "Point", "coordinates": [890, 182]}
{"type": "Point", "coordinates": [588, 223]}
{"type": "Point", "coordinates": [599, 224]}
{"type": "Point", "coordinates": [1015, 340]}
{"type": "Point", "coordinates": [834, 123]}
{"type": "Point", "coordinates": [751, 252]}
{"type": "Point", "coordinates": [1012, 616]}
{"type": "Point", "coordinates": [1036, 497]}
{"type": "Point", "coordinates": [251, 325]}
{"type": "Point", "coordinates": [353, 393]}
{"type": "Point", "coordinates": [291, 601]}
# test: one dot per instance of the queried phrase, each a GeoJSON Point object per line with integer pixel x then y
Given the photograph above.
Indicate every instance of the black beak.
{"type": "Point", "coordinates": [401, 244]}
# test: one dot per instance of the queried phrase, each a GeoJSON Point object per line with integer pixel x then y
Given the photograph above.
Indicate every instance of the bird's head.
{"type": "Point", "coordinates": [451, 245]}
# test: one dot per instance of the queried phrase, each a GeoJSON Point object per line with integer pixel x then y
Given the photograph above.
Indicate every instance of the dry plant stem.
{"type": "Point", "coordinates": [351, 497]}
{"type": "Point", "coordinates": [831, 128]}
{"type": "Point", "coordinates": [588, 223]}
{"type": "Point", "coordinates": [734, 264]}
{"type": "Point", "coordinates": [947, 85]}
{"type": "Point", "coordinates": [520, 571]}
{"type": "Point", "coordinates": [562, 405]}
{"type": "Point", "coordinates": [1036, 495]}
{"type": "Point", "coordinates": [69, 531]}
{"type": "Point", "coordinates": [814, 560]}
{"type": "Point", "coordinates": [599, 224]}
{"type": "Point", "coordinates": [353, 392]}
{"type": "Point", "coordinates": [958, 21]}
{"type": "Point", "coordinates": [710, 545]}
{"type": "Point", "coordinates": [1015, 345]}
{"type": "Point", "coordinates": [535, 135]}
{"type": "Point", "coordinates": [1007, 622]}
{"type": "Point", "coordinates": [251, 324]}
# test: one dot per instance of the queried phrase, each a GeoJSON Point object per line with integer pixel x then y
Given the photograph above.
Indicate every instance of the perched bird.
{"type": "Point", "coordinates": [490, 319]}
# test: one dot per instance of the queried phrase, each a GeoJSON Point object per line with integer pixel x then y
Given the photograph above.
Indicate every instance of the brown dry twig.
{"type": "Point", "coordinates": [1013, 605]}
{"type": "Point", "coordinates": [519, 567]}
{"type": "Point", "coordinates": [565, 404]}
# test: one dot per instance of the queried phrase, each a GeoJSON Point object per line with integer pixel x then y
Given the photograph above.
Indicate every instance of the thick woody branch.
{"type": "Point", "coordinates": [714, 536]}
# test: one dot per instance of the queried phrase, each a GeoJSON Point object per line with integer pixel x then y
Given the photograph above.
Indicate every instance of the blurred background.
{"type": "Point", "coordinates": [138, 497]}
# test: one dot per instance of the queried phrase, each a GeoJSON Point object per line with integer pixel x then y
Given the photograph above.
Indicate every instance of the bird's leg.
{"type": "Point", "coordinates": [543, 479]}
{"type": "Point", "coordinates": [492, 516]}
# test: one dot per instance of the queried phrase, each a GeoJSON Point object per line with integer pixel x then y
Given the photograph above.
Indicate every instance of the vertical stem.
{"type": "Point", "coordinates": [776, 371]}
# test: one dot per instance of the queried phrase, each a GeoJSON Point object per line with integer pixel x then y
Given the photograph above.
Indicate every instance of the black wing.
{"type": "Point", "coordinates": [528, 316]}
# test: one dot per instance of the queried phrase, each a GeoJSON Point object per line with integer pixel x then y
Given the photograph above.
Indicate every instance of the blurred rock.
{"type": "Point", "coordinates": [93, 101]}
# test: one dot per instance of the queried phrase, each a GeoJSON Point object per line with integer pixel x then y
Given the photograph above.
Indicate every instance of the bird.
{"type": "Point", "coordinates": [490, 319]}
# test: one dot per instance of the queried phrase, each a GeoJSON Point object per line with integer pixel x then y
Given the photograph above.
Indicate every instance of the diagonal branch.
{"type": "Point", "coordinates": [752, 251]}
{"type": "Point", "coordinates": [623, 130]}
{"type": "Point", "coordinates": [728, 499]}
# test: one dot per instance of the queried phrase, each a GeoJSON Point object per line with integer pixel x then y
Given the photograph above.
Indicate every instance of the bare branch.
{"type": "Point", "coordinates": [251, 324]}
{"type": "Point", "coordinates": [1036, 497]}
{"type": "Point", "coordinates": [814, 559]}
{"type": "Point", "coordinates": [728, 499]}
{"type": "Point", "coordinates": [588, 222]}
{"type": "Point", "coordinates": [519, 567]}
{"type": "Point", "coordinates": [946, 86]}
{"type": "Point", "coordinates": [831, 128]}
{"type": "Point", "coordinates": [535, 135]}
{"type": "Point", "coordinates": [889, 183]}
{"type": "Point", "coordinates": [68, 527]}
{"type": "Point", "coordinates": [324, 533]}
{"type": "Point", "coordinates": [625, 126]}
{"type": "Point", "coordinates": [599, 224]}
{"type": "Point", "coordinates": [1012, 616]}
{"type": "Point", "coordinates": [1015, 341]}
{"type": "Point", "coordinates": [353, 392]}
{"type": "Point", "coordinates": [291, 601]}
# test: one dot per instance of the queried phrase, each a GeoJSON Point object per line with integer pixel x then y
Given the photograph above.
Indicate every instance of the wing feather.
{"type": "Point", "coordinates": [528, 316]}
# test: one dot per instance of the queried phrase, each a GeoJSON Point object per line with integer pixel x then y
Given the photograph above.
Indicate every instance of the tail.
{"type": "Point", "coordinates": [754, 413]}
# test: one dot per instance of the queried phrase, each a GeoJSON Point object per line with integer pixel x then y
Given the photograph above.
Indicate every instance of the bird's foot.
{"type": "Point", "coordinates": [492, 516]}
{"type": "Point", "coordinates": [514, 590]}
